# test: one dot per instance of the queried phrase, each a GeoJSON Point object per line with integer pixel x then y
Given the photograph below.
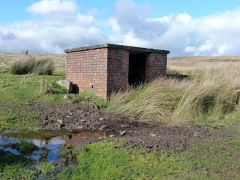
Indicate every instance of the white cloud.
{"type": "Point", "coordinates": [216, 34]}
{"type": "Point", "coordinates": [60, 25]}
{"type": "Point", "coordinates": [46, 7]}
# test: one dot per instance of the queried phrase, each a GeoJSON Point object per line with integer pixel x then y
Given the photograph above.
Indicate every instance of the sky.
{"type": "Point", "coordinates": [186, 28]}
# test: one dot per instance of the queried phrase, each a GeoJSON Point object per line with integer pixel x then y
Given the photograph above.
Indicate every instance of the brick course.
{"type": "Point", "coordinates": [103, 69]}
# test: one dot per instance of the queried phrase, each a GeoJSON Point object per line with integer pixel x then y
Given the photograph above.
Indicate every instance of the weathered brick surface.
{"type": "Point", "coordinates": [105, 70]}
{"type": "Point", "coordinates": [118, 61]}
{"type": "Point", "coordinates": [88, 69]}
{"type": "Point", "coordinates": [156, 65]}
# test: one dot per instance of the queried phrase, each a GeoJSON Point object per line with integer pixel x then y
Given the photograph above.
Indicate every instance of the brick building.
{"type": "Point", "coordinates": [106, 68]}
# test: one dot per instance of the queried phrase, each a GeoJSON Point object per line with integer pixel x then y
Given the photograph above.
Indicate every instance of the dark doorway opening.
{"type": "Point", "coordinates": [137, 63]}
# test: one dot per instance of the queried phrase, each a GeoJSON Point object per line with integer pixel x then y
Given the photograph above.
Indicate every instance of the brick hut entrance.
{"type": "Point", "coordinates": [136, 73]}
{"type": "Point", "coordinates": [106, 68]}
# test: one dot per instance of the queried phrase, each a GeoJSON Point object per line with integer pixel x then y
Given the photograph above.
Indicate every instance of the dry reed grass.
{"type": "Point", "coordinates": [208, 97]}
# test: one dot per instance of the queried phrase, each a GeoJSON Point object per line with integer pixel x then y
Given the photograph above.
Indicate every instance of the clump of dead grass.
{"type": "Point", "coordinates": [208, 97]}
{"type": "Point", "coordinates": [27, 64]}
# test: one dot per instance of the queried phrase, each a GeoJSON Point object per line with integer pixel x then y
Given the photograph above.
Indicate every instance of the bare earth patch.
{"type": "Point", "coordinates": [136, 133]}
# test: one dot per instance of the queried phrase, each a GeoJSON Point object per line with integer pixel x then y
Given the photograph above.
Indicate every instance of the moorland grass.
{"type": "Point", "coordinates": [28, 64]}
{"type": "Point", "coordinates": [209, 96]}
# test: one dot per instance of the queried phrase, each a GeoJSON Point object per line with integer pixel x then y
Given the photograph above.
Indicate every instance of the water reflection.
{"type": "Point", "coordinates": [51, 145]}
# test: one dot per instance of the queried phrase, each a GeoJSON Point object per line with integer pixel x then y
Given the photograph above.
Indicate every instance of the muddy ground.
{"type": "Point", "coordinates": [136, 133]}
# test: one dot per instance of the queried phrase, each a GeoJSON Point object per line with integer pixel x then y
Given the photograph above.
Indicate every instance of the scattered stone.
{"type": "Point", "coordinates": [60, 121]}
{"type": "Point", "coordinates": [83, 120]}
{"type": "Point", "coordinates": [100, 119]}
{"type": "Point", "coordinates": [80, 127]}
{"type": "Point", "coordinates": [84, 137]}
{"type": "Point", "coordinates": [123, 133]}
{"type": "Point", "coordinates": [195, 134]}
{"type": "Point", "coordinates": [70, 113]}
{"type": "Point", "coordinates": [102, 127]}
{"type": "Point", "coordinates": [153, 135]}
{"type": "Point", "coordinates": [112, 136]}
{"type": "Point", "coordinates": [65, 97]}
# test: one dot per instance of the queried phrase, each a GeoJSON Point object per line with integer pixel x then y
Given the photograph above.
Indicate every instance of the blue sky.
{"type": "Point", "coordinates": [15, 10]}
{"type": "Point", "coordinates": [184, 27]}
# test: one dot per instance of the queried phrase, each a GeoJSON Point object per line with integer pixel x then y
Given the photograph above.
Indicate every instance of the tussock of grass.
{"type": "Point", "coordinates": [28, 64]}
{"type": "Point", "coordinates": [152, 101]}
{"type": "Point", "coordinates": [209, 97]}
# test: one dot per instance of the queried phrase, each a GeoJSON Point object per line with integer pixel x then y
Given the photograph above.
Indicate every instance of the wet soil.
{"type": "Point", "coordinates": [136, 132]}
{"type": "Point", "coordinates": [75, 117]}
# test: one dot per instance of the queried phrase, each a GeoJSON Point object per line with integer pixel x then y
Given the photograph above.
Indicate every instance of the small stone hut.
{"type": "Point", "coordinates": [106, 68]}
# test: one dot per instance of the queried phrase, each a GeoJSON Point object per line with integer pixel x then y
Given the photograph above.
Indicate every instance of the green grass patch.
{"type": "Point", "coordinates": [89, 96]}
{"type": "Point", "coordinates": [15, 167]}
{"type": "Point", "coordinates": [211, 159]}
{"type": "Point", "coordinates": [45, 168]}
{"type": "Point", "coordinates": [19, 92]}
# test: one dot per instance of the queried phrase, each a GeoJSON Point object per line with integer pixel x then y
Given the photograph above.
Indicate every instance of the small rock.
{"type": "Point", "coordinates": [70, 113]}
{"type": "Point", "coordinates": [101, 119]}
{"type": "Point", "coordinates": [195, 134]}
{"type": "Point", "coordinates": [84, 137]}
{"type": "Point", "coordinates": [124, 125]}
{"type": "Point", "coordinates": [153, 135]}
{"type": "Point", "coordinates": [97, 107]}
{"type": "Point", "coordinates": [83, 120]}
{"type": "Point", "coordinates": [102, 127]}
{"type": "Point", "coordinates": [60, 121]}
{"type": "Point", "coordinates": [80, 127]}
{"type": "Point", "coordinates": [112, 136]}
{"type": "Point", "coordinates": [122, 133]}
{"type": "Point", "coordinates": [65, 97]}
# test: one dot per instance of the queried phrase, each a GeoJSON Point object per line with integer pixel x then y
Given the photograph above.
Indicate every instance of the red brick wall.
{"type": "Point", "coordinates": [103, 71]}
{"type": "Point", "coordinates": [118, 61]}
{"type": "Point", "coordinates": [88, 69]}
{"type": "Point", "coordinates": [156, 65]}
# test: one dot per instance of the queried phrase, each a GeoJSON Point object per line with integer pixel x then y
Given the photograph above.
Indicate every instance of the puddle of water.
{"type": "Point", "coordinates": [49, 140]}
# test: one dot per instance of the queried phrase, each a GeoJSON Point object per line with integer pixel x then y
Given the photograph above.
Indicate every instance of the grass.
{"type": "Point", "coordinates": [28, 64]}
{"type": "Point", "coordinates": [20, 91]}
{"type": "Point", "coordinates": [15, 167]}
{"type": "Point", "coordinates": [89, 96]}
{"type": "Point", "coordinates": [18, 94]}
{"type": "Point", "coordinates": [45, 168]}
{"type": "Point", "coordinates": [209, 96]}
{"type": "Point", "coordinates": [211, 159]}
{"type": "Point", "coordinates": [6, 59]}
